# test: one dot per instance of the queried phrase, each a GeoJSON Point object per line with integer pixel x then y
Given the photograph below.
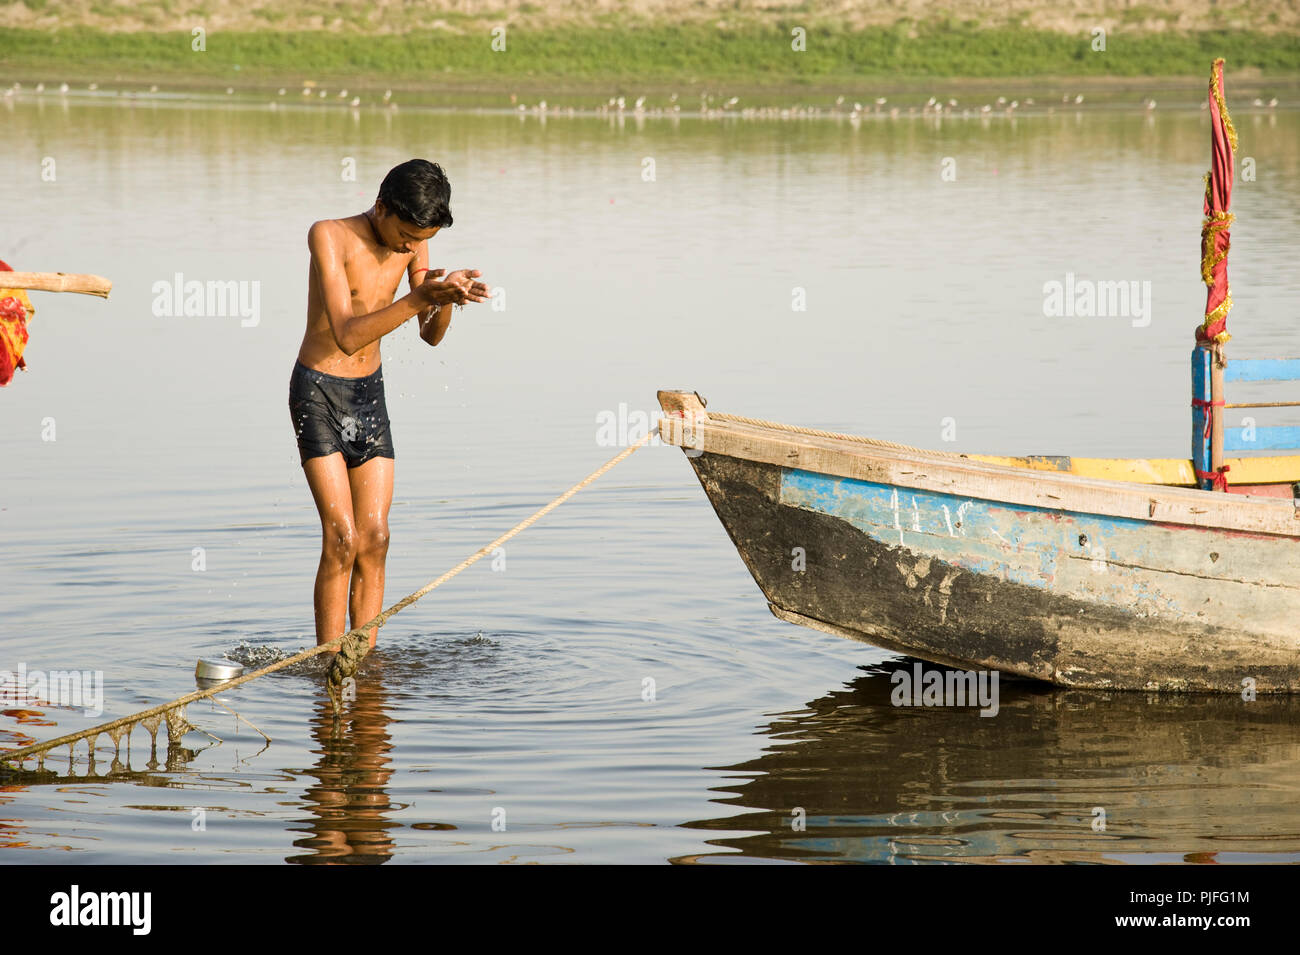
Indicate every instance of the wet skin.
{"type": "Point", "coordinates": [356, 266]}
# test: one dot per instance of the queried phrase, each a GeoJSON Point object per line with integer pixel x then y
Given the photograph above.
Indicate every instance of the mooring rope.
{"type": "Point", "coordinates": [352, 647]}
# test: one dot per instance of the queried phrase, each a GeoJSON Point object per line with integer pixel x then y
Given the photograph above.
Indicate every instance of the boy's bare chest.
{"type": "Point", "coordinates": [373, 283]}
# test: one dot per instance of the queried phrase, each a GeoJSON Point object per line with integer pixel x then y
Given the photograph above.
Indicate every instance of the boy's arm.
{"type": "Point", "coordinates": [436, 327]}
{"type": "Point", "coordinates": [354, 332]}
{"type": "Point", "coordinates": [433, 323]}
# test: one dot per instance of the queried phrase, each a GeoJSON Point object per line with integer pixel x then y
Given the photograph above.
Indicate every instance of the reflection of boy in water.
{"type": "Point", "coordinates": [349, 808]}
{"type": "Point", "coordinates": [336, 392]}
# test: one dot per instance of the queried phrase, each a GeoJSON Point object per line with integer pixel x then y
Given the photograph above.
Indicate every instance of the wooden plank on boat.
{"type": "Point", "coordinates": [1174, 472]}
{"type": "Point", "coordinates": [1272, 438]}
{"type": "Point", "coordinates": [942, 472]}
{"type": "Point", "coordinates": [1262, 369]}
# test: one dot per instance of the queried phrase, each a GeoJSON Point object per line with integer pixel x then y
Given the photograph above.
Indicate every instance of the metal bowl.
{"type": "Point", "coordinates": [217, 671]}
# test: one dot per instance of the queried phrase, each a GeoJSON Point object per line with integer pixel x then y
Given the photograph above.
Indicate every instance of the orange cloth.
{"type": "Point", "coordinates": [15, 311]}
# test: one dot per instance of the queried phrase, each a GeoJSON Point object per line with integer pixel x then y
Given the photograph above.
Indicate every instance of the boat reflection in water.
{"type": "Point", "coordinates": [1057, 776]}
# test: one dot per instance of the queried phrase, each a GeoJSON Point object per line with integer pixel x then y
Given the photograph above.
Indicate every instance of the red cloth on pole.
{"type": "Point", "coordinates": [1215, 239]}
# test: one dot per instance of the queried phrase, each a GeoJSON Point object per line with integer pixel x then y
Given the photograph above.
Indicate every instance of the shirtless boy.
{"type": "Point", "coordinates": [336, 392]}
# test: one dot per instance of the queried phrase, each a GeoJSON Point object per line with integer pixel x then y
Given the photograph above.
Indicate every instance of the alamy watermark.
{"type": "Point", "coordinates": [624, 427]}
{"type": "Point", "coordinates": [24, 687]}
{"type": "Point", "coordinates": [130, 909]}
{"type": "Point", "coordinates": [1084, 298]}
{"type": "Point", "coordinates": [240, 299]}
{"type": "Point", "coordinates": [921, 687]}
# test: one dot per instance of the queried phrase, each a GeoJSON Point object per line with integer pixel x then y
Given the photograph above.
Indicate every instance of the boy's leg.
{"type": "Point", "coordinates": [372, 495]}
{"type": "Point", "coordinates": [327, 476]}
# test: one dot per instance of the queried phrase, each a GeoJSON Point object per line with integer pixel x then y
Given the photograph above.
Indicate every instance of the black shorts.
{"type": "Point", "coordinates": [339, 414]}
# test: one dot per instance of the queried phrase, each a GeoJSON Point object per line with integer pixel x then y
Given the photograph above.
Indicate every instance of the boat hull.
{"type": "Point", "coordinates": [1071, 597]}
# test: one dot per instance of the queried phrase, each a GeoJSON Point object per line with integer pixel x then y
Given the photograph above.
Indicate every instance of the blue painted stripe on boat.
{"type": "Point", "coordinates": [1262, 369]}
{"type": "Point", "coordinates": [1277, 437]}
{"type": "Point", "coordinates": [957, 529]}
{"type": "Point", "coordinates": [1135, 565]}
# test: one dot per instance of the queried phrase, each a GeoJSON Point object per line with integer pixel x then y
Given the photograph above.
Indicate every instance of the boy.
{"type": "Point", "coordinates": [336, 392]}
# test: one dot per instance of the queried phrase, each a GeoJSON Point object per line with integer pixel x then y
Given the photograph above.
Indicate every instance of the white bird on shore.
{"type": "Point", "coordinates": [40, 87]}
{"type": "Point", "coordinates": [622, 102]}
{"type": "Point", "coordinates": [388, 94]}
{"type": "Point", "coordinates": [154, 88]}
{"type": "Point", "coordinates": [1078, 99]}
{"type": "Point", "coordinates": [343, 94]}
{"type": "Point", "coordinates": [1258, 102]}
{"type": "Point", "coordinates": [880, 101]}
{"type": "Point", "coordinates": [952, 104]}
{"type": "Point", "coordinates": [306, 91]}
{"type": "Point", "coordinates": [1272, 102]}
{"type": "Point", "coordinates": [322, 94]}
{"type": "Point", "coordinates": [1002, 101]}
{"type": "Point", "coordinates": [640, 102]}
{"type": "Point", "coordinates": [93, 86]}
{"type": "Point", "coordinates": [356, 101]}
{"type": "Point", "coordinates": [63, 87]}
{"type": "Point", "coordinates": [281, 91]}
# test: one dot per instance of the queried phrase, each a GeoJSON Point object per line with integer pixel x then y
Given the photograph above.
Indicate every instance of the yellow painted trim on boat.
{"type": "Point", "coordinates": [1169, 471]}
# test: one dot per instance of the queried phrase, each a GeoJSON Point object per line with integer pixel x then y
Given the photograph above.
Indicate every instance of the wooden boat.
{"type": "Point", "coordinates": [1084, 572]}
{"type": "Point", "coordinates": [999, 564]}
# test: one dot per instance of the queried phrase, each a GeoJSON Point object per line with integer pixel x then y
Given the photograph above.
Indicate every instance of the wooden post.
{"type": "Point", "coordinates": [687, 402]}
{"type": "Point", "coordinates": [1202, 391]}
{"type": "Point", "coordinates": [1217, 363]}
{"type": "Point", "coordinates": [57, 282]}
{"type": "Point", "coordinates": [690, 406]}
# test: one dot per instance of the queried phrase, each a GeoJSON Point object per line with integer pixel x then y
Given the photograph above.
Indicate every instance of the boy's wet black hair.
{"type": "Point", "coordinates": [418, 192]}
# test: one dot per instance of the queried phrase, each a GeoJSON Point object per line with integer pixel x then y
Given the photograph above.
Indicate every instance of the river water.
{"type": "Point", "coordinates": [613, 689]}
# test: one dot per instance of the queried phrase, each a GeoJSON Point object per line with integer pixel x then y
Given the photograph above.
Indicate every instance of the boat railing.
{"type": "Point", "coordinates": [1210, 436]}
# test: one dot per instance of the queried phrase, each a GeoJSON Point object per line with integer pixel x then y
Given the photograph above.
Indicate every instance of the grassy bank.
{"type": "Point", "coordinates": [595, 56]}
